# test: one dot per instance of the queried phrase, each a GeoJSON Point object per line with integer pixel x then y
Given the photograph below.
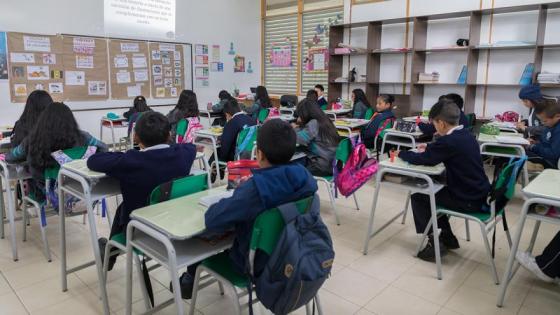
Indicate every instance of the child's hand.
{"type": "Point", "coordinates": [421, 147]}
{"type": "Point", "coordinates": [532, 141]}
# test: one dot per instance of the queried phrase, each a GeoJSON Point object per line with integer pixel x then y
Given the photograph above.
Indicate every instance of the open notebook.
{"type": "Point", "coordinates": [207, 201]}
{"type": "Point", "coordinates": [512, 140]}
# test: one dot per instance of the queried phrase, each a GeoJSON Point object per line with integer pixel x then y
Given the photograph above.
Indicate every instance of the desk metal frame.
{"type": "Point", "coordinates": [112, 125]}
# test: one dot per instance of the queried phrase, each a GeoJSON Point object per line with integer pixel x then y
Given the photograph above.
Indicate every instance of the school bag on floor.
{"type": "Point", "coordinates": [299, 264]}
{"type": "Point", "coordinates": [357, 170]}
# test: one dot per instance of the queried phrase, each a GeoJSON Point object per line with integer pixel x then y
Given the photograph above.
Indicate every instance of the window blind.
{"type": "Point", "coordinates": [280, 79]}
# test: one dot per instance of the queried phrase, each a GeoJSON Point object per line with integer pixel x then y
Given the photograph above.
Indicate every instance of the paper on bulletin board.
{"type": "Point", "coordinates": [123, 77]}
{"type": "Point", "coordinates": [37, 43]}
{"type": "Point", "coordinates": [217, 67]}
{"type": "Point", "coordinates": [134, 90]}
{"type": "Point", "coordinates": [139, 61]}
{"type": "Point", "coordinates": [130, 47]}
{"type": "Point", "coordinates": [56, 88]}
{"type": "Point", "coordinates": [38, 73]}
{"type": "Point", "coordinates": [121, 61]}
{"type": "Point", "coordinates": [75, 78]}
{"type": "Point", "coordinates": [84, 62]}
{"type": "Point", "coordinates": [202, 82]}
{"type": "Point", "coordinates": [141, 75]}
{"type": "Point", "coordinates": [22, 58]}
{"type": "Point", "coordinates": [97, 87]}
{"type": "Point", "coordinates": [49, 59]}
{"type": "Point", "coordinates": [83, 45]}
{"type": "Point", "coordinates": [215, 53]}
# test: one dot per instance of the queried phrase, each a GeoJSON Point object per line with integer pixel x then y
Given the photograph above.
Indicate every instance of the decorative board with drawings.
{"type": "Point", "coordinates": [85, 68]}
{"type": "Point", "coordinates": [168, 71]}
{"type": "Point", "coordinates": [35, 62]}
{"type": "Point", "coordinates": [130, 68]}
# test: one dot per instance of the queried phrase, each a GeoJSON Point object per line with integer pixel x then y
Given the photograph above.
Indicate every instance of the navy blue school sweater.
{"type": "Point", "coordinates": [139, 172]}
{"type": "Point", "coordinates": [323, 104]}
{"type": "Point", "coordinates": [267, 189]}
{"type": "Point", "coordinates": [429, 129]}
{"type": "Point", "coordinates": [226, 151]}
{"type": "Point", "coordinates": [460, 153]}
{"type": "Point", "coordinates": [549, 145]}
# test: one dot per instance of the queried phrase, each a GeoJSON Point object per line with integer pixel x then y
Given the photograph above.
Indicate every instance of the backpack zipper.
{"type": "Point", "coordinates": [299, 295]}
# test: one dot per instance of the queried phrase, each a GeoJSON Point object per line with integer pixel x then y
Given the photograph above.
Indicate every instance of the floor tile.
{"type": "Point", "coordinates": [10, 304]}
{"type": "Point", "coordinates": [354, 286]}
{"type": "Point", "coordinates": [396, 301]}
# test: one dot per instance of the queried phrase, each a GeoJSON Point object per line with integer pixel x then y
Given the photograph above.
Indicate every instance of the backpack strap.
{"type": "Point", "coordinates": [245, 141]}
{"type": "Point", "coordinates": [289, 211]}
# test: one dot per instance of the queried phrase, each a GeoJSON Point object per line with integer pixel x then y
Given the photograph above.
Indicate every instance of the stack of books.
{"type": "Point", "coordinates": [548, 78]}
{"type": "Point", "coordinates": [428, 77]}
{"type": "Point", "coordinates": [344, 49]}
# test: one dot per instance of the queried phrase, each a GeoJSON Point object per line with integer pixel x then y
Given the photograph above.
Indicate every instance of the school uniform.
{"type": "Point", "coordinates": [319, 152]}
{"type": "Point", "coordinates": [139, 172]}
{"type": "Point", "coordinates": [429, 130]}
{"type": "Point", "coordinates": [254, 109]}
{"type": "Point", "coordinates": [534, 128]}
{"type": "Point", "coordinates": [322, 101]}
{"type": "Point", "coordinates": [266, 189]}
{"type": "Point", "coordinates": [375, 127]}
{"type": "Point", "coordinates": [547, 150]}
{"type": "Point", "coordinates": [467, 186]}
{"type": "Point", "coordinates": [359, 110]}
{"type": "Point", "coordinates": [228, 142]}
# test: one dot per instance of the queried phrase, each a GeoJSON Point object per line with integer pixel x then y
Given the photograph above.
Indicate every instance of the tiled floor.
{"type": "Point", "coordinates": [389, 280]}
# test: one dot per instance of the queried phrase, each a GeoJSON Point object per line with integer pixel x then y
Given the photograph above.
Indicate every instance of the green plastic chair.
{"type": "Point", "coordinates": [503, 190]}
{"type": "Point", "coordinates": [249, 152]}
{"type": "Point", "coordinates": [266, 232]}
{"type": "Point", "coordinates": [30, 201]}
{"type": "Point", "coordinates": [262, 115]}
{"type": "Point", "coordinates": [342, 154]}
{"type": "Point", "coordinates": [369, 113]}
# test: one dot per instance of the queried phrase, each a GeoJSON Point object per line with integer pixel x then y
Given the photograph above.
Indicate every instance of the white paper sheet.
{"type": "Point", "coordinates": [123, 77]}
{"type": "Point", "coordinates": [75, 78]}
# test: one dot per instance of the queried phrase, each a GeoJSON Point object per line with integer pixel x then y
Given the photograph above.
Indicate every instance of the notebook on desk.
{"type": "Point", "coordinates": [207, 201]}
{"type": "Point", "coordinates": [512, 140]}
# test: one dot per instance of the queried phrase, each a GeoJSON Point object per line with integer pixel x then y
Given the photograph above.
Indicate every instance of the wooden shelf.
{"type": "Point", "coordinates": [351, 54]}
{"type": "Point", "coordinates": [551, 46]}
{"type": "Point", "coordinates": [550, 85]}
{"type": "Point", "coordinates": [443, 49]}
{"type": "Point", "coordinates": [383, 51]}
{"type": "Point", "coordinates": [394, 82]}
{"type": "Point", "coordinates": [438, 83]}
{"type": "Point", "coordinates": [512, 47]}
{"type": "Point", "coordinates": [496, 84]}
{"type": "Point", "coordinates": [355, 82]}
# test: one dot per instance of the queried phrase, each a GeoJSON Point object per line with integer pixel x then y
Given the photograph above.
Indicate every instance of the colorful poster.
{"type": "Point", "coordinates": [22, 58]}
{"type": "Point", "coordinates": [130, 47]}
{"type": "Point", "coordinates": [38, 73]}
{"type": "Point", "coordinates": [215, 53]}
{"type": "Point", "coordinates": [84, 61]}
{"type": "Point", "coordinates": [167, 71]}
{"type": "Point", "coordinates": [56, 88]}
{"type": "Point", "coordinates": [83, 45]}
{"type": "Point", "coordinates": [36, 43]}
{"type": "Point", "coordinates": [160, 92]}
{"type": "Point", "coordinates": [281, 55]}
{"type": "Point", "coordinates": [57, 74]}
{"type": "Point", "coordinates": [201, 72]}
{"type": "Point", "coordinates": [217, 67]}
{"type": "Point", "coordinates": [158, 80]}
{"type": "Point", "coordinates": [168, 83]}
{"type": "Point", "coordinates": [75, 78]}
{"type": "Point", "coordinates": [49, 59]}
{"type": "Point", "coordinates": [20, 89]}
{"type": "Point", "coordinates": [177, 73]}
{"type": "Point", "coordinates": [3, 57]}
{"type": "Point", "coordinates": [173, 92]}
{"type": "Point", "coordinates": [18, 72]}
{"type": "Point", "coordinates": [201, 60]}
{"type": "Point", "coordinates": [97, 88]}
{"type": "Point", "coordinates": [317, 59]}
{"type": "Point", "coordinates": [238, 64]}
{"type": "Point", "coordinates": [201, 49]}
{"type": "Point", "coordinates": [157, 70]}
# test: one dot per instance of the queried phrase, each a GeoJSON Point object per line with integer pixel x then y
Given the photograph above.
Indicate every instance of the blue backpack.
{"type": "Point", "coordinates": [300, 262]}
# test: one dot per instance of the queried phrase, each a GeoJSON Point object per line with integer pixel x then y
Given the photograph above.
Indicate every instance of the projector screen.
{"type": "Point", "coordinates": [140, 18]}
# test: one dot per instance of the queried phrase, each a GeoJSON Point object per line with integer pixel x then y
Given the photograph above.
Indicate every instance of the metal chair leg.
{"type": "Point", "coordinates": [489, 253]}
{"type": "Point", "coordinates": [467, 230]}
{"type": "Point", "coordinates": [356, 202]}
{"type": "Point", "coordinates": [331, 196]}
{"type": "Point", "coordinates": [43, 220]}
{"type": "Point", "coordinates": [405, 210]}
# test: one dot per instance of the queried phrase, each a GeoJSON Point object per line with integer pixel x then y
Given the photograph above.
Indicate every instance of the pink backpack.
{"type": "Point", "coordinates": [193, 125]}
{"type": "Point", "coordinates": [273, 112]}
{"type": "Point", "coordinates": [357, 170]}
{"type": "Point", "coordinates": [508, 116]}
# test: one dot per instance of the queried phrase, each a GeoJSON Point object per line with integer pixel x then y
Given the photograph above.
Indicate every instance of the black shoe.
{"type": "Point", "coordinates": [102, 241]}
{"type": "Point", "coordinates": [449, 240]}
{"type": "Point", "coordinates": [187, 283]}
{"type": "Point", "coordinates": [429, 253]}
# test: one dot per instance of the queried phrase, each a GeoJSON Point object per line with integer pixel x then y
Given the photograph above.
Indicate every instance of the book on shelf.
{"type": "Point", "coordinates": [548, 78]}
{"type": "Point", "coordinates": [344, 49]}
{"type": "Point", "coordinates": [432, 77]}
{"type": "Point", "coordinates": [463, 76]}
{"type": "Point", "coordinates": [527, 76]}
{"type": "Point", "coordinates": [382, 50]}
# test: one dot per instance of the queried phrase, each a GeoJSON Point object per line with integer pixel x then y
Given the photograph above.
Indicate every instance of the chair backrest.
{"type": "Point", "coordinates": [246, 142]}
{"type": "Point", "coordinates": [503, 186]}
{"type": "Point", "coordinates": [288, 100]}
{"type": "Point", "coordinates": [369, 113]}
{"type": "Point", "coordinates": [181, 127]}
{"type": "Point", "coordinates": [75, 153]}
{"type": "Point", "coordinates": [269, 225]}
{"type": "Point", "coordinates": [262, 115]}
{"type": "Point", "coordinates": [179, 188]}
{"type": "Point", "coordinates": [344, 150]}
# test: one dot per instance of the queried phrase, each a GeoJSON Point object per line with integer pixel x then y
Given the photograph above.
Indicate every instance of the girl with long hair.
{"type": "Point", "coordinates": [361, 104]}
{"type": "Point", "coordinates": [187, 107]}
{"type": "Point", "coordinates": [262, 100]}
{"type": "Point", "coordinates": [36, 103]}
{"type": "Point", "coordinates": [139, 107]}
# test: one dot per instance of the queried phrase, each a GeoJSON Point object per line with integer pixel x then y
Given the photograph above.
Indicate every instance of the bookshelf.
{"type": "Point", "coordinates": [412, 102]}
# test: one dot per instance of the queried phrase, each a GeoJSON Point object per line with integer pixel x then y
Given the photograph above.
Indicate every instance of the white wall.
{"type": "Point", "coordinates": [504, 66]}
{"type": "Point", "coordinates": [198, 22]}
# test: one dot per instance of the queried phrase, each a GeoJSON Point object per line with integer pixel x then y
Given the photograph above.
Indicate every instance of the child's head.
{"type": "Point", "coordinates": [455, 98]}
{"type": "Point", "coordinates": [531, 95]}
{"type": "Point", "coordinates": [358, 95]}
{"type": "Point", "coordinates": [276, 143]}
{"type": "Point", "coordinates": [308, 110]}
{"type": "Point", "coordinates": [224, 95]}
{"type": "Point", "coordinates": [548, 112]}
{"type": "Point", "coordinates": [312, 95]}
{"type": "Point", "coordinates": [56, 129]}
{"type": "Point", "coordinates": [140, 104]}
{"type": "Point", "coordinates": [230, 108]}
{"type": "Point", "coordinates": [320, 90]}
{"type": "Point", "coordinates": [445, 116]}
{"type": "Point", "coordinates": [187, 104]}
{"type": "Point", "coordinates": [384, 102]}
{"type": "Point", "coordinates": [36, 103]}
{"type": "Point", "coordinates": [261, 95]}
{"type": "Point", "coordinates": [152, 129]}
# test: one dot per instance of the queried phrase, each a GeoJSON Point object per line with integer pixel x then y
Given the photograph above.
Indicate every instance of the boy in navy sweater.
{"type": "Point", "coordinates": [547, 150]}
{"type": "Point", "coordinates": [276, 182]}
{"type": "Point", "coordinates": [139, 172]}
{"type": "Point", "coordinates": [236, 120]}
{"type": "Point", "coordinates": [467, 186]}
{"type": "Point", "coordinates": [321, 100]}
{"type": "Point", "coordinates": [429, 130]}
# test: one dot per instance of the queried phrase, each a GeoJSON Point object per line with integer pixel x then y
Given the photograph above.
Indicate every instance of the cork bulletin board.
{"type": "Point", "coordinates": [168, 69]}
{"type": "Point", "coordinates": [130, 69]}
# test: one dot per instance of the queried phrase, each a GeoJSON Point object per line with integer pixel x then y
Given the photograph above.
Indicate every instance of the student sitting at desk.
{"type": "Point", "coordinates": [138, 108]}
{"type": "Point", "coordinates": [139, 172]}
{"type": "Point", "coordinates": [361, 104]}
{"type": "Point", "coordinates": [322, 101]}
{"type": "Point", "coordinates": [36, 102]}
{"type": "Point", "coordinates": [55, 130]}
{"type": "Point", "coordinates": [187, 107]}
{"type": "Point", "coordinates": [318, 137]}
{"type": "Point", "coordinates": [547, 150]}
{"type": "Point", "coordinates": [312, 95]}
{"type": "Point", "coordinates": [466, 187]}
{"type": "Point", "coordinates": [223, 96]}
{"type": "Point", "coordinates": [429, 130]}
{"type": "Point", "coordinates": [262, 100]}
{"type": "Point", "coordinates": [276, 182]}
{"type": "Point", "coordinates": [546, 266]}
{"type": "Point", "coordinates": [531, 97]}
{"type": "Point", "coordinates": [381, 119]}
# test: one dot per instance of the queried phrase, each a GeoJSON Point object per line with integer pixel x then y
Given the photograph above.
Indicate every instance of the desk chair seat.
{"type": "Point", "coordinates": [267, 229]}
{"type": "Point", "coordinates": [342, 154]}
{"type": "Point", "coordinates": [503, 189]}
{"type": "Point", "coordinates": [262, 115]}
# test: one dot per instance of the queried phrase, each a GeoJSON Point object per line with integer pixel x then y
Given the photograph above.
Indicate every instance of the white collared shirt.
{"type": "Point", "coordinates": [238, 113]}
{"type": "Point", "coordinates": [459, 127]}
{"type": "Point", "coordinates": [156, 147]}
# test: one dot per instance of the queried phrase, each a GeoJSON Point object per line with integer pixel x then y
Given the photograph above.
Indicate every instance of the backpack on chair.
{"type": "Point", "coordinates": [186, 129]}
{"type": "Point", "coordinates": [357, 169]}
